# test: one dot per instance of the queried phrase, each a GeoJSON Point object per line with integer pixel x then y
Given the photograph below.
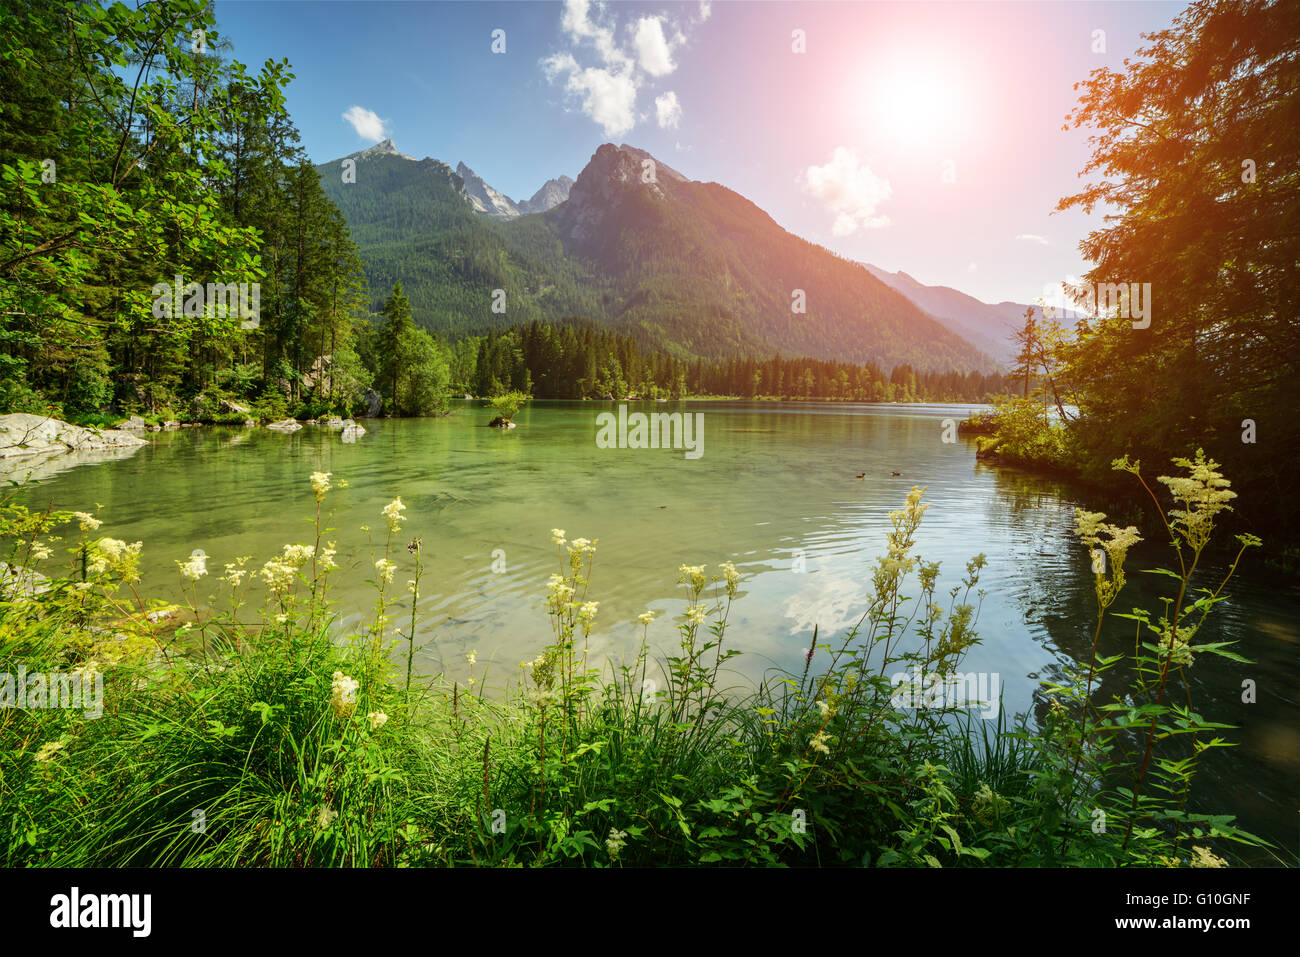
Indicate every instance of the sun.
{"type": "Point", "coordinates": [915, 103]}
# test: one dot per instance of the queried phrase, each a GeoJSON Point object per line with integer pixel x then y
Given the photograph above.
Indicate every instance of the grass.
{"type": "Point", "coordinates": [286, 743]}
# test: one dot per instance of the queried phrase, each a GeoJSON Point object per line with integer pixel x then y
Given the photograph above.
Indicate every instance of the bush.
{"type": "Point", "coordinates": [507, 404]}
{"type": "Point", "coordinates": [1021, 432]}
{"type": "Point", "coordinates": [271, 406]}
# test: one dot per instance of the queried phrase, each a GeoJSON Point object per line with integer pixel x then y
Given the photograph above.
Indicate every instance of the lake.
{"type": "Point", "coordinates": [775, 491]}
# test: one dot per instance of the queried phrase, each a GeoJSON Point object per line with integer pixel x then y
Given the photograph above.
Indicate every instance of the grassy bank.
{"type": "Point", "coordinates": [245, 729]}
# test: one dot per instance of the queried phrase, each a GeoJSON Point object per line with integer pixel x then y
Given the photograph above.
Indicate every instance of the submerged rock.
{"type": "Point", "coordinates": [351, 431]}
{"type": "Point", "coordinates": [285, 425]}
{"type": "Point", "coordinates": [501, 423]}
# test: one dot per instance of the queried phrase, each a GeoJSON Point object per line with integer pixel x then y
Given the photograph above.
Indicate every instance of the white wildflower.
{"type": "Point", "coordinates": [393, 514]}
{"type": "Point", "coordinates": [87, 521]}
{"type": "Point", "coordinates": [320, 484]}
{"type": "Point", "coordinates": [343, 694]}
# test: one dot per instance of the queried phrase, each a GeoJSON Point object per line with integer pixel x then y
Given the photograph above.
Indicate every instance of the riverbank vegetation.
{"type": "Point", "coordinates": [244, 729]}
{"type": "Point", "coordinates": [1208, 241]}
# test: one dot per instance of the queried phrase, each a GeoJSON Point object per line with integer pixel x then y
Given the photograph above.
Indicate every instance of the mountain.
{"type": "Point", "coordinates": [989, 327]}
{"type": "Point", "coordinates": [552, 194]}
{"type": "Point", "coordinates": [690, 267]}
{"type": "Point", "coordinates": [484, 198]}
{"type": "Point", "coordinates": [689, 260]}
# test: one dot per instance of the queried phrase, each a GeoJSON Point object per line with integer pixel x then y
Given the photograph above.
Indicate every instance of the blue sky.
{"type": "Point", "coordinates": [917, 136]}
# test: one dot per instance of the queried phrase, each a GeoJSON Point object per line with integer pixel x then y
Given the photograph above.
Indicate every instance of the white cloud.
{"type": "Point", "coordinates": [706, 10]}
{"type": "Point", "coordinates": [366, 122]}
{"type": "Point", "coordinates": [578, 24]}
{"type": "Point", "coordinates": [1031, 237]}
{"type": "Point", "coordinates": [972, 268]}
{"type": "Point", "coordinates": [608, 98]}
{"type": "Point", "coordinates": [653, 54]}
{"type": "Point", "coordinates": [849, 189]}
{"type": "Point", "coordinates": [668, 111]}
{"type": "Point", "coordinates": [603, 76]}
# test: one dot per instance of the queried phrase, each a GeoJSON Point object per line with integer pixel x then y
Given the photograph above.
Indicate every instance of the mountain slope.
{"type": "Point", "coordinates": [675, 250]}
{"type": "Point", "coordinates": [987, 326]}
{"type": "Point", "coordinates": [484, 198]}
{"type": "Point", "coordinates": [413, 221]}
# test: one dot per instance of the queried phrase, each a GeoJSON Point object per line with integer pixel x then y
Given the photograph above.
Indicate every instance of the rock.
{"type": "Point", "coordinates": [501, 423]}
{"type": "Point", "coordinates": [171, 424]}
{"type": "Point", "coordinates": [228, 406]}
{"type": "Point", "coordinates": [352, 432]}
{"type": "Point", "coordinates": [374, 403]}
{"type": "Point", "coordinates": [334, 422]}
{"type": "Point", "coordinates": [22, 433]}
{"type": "Point", "coordinates": [468, 396]}
{"type": "Point", "coordinates": [134, 424]}
{"type": "Point", "coordinates": [317, 378]}
{"type": "Point", "coordinates": [18, 582]}
{"type": "Point", "coordinates": [285, 425]}
{"type": "Point", "coordinates": [311, 422]}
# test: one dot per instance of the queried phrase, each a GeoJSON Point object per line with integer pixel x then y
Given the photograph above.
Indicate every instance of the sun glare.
{"type": "Point", "coordinates": [915, 103]}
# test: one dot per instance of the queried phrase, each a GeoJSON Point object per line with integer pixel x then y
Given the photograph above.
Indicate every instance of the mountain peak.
{"type": "Point", "coordinates": [661, 168]}
{"type": "Point", "coordinates": [552, 194]}
{"type": "Point", "coordinates": [485, 199]}
{"type": "Point", "coordinates": [382, 148]}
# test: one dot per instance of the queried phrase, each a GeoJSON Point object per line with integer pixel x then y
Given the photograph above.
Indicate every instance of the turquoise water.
{"type": "Point", "coordinates": [775, 491]}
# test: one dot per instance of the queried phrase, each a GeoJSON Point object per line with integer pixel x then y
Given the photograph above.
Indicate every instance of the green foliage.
{"type": "Point", "coordinates": [129, 159]}
{"type": "Point", "coordinates": [1022, 432]}
{"type": "Point", "coordinates": [1213, 232]}
{"type": "Point", "coordinates": [507, 404]}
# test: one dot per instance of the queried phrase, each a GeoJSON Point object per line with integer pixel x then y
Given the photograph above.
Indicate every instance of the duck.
{"type": "Point", "coordinates": [863, 475]}
{"type": "Point", "coordinates": [896, 474]}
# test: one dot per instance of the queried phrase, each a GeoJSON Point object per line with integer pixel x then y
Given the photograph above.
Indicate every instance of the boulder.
{"type": "Point", "coordinates": [351, 432]}
{"type": "Point", "coordinates": [17, 582]}
{"type": "Point", "coordinates": [229, 406]}
{"type": "Point", "coordinates": [22, 433]}
{"type": "Point", "coordinates": [501, 423]}
{"type": "Point", "coordinates": [285, 425]}
{"type": "Point", "coordinates": [134, 424]}
{"type": "Point", "coordinates": [334, 422]}
{"type": "Point", "coordinates": [374, 403]}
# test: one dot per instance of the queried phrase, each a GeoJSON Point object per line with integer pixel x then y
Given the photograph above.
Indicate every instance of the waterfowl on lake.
{"type": "Point", "coordinates": [896, 474]}
{"type": "Point", "coordinates": [863, 475]}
